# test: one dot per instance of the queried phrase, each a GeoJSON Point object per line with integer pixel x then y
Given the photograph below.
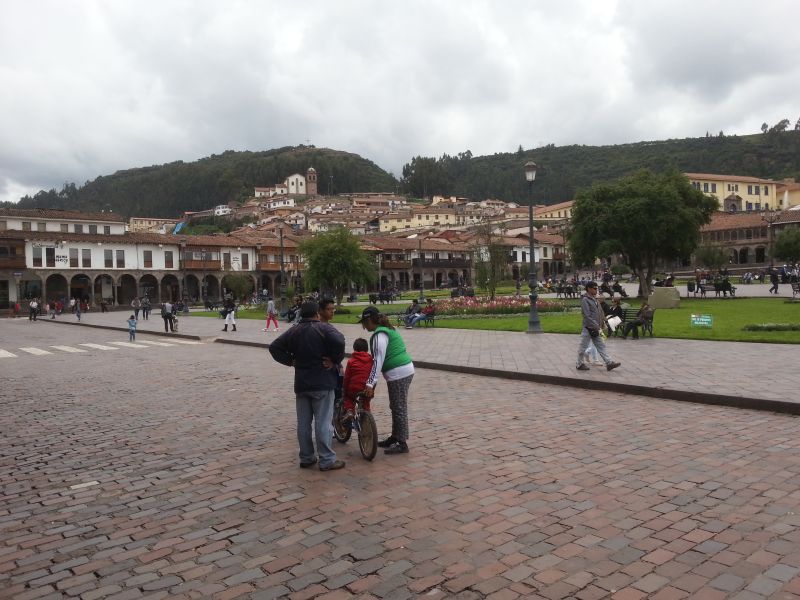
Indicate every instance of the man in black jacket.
{"type": "Point", "coordinates": [304, 347]}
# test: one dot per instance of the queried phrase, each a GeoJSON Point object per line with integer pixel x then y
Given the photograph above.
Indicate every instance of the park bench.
{"type": "Point", "coordinates": [428, 321]}
{"type": "Point", "coordinates": [717, 288]}
{"type": "Point", "coordinates": [629, 314]}
{"type": "Point", "coordinates": [795, 289]}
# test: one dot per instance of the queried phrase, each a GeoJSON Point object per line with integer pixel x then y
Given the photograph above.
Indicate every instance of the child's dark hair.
{"type": "Point", "coordinates": [360, 345]}
{"type": "Point", "coordinates": [132, 317]}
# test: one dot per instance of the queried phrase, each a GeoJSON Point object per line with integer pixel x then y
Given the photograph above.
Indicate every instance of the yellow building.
{"type": "Point", "coordinates": [555, 212]}
{"type": "Point", "coordinates": [737, 193]}
{"type": "Point", "coordinates": [788, 192]}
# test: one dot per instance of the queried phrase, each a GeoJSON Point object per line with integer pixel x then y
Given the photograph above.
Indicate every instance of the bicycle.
{"type": "Point", "coordinates": [364, 424]}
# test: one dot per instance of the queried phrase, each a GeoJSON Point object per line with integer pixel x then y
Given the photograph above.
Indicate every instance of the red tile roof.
{"type": "Point", "coordinates": [64, 215]}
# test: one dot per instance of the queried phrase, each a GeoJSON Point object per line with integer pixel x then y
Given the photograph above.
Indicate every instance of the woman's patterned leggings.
{"type": "Point", "coordinates": [398, 405]}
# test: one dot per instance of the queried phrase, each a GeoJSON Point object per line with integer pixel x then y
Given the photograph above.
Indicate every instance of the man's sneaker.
{"type": "Point", "coordinates": [397, 448]}
{"type": "Point", "coordinates": [337, 464]}
{"type": "Point", "coordinates": [308, 465]}
{"type": "Point", "coordinates": [612, 365]}
{"type": "Point", "coordinates": [387, 442]}
{"type": "Point", "coordinates": [583, 367]}
{"type": "Point", "coordinates": [265, 329]}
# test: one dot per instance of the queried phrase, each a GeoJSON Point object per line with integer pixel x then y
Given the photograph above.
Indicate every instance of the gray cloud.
{"type": "Point", "coordinates": [103, 86]}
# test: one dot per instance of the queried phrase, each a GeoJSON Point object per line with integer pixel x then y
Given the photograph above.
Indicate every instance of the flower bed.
{"type": "Point", "coordinates": [501, 305]}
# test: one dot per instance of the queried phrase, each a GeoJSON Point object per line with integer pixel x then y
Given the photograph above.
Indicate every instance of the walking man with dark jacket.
{"type": "Point", "coordinates": [304, 347]}
{"type": "Point", "coordinates": [593, 320]}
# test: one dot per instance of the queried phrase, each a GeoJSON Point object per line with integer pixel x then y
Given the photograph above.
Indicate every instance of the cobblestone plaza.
{"type": "Point", "coordinates": [166, 469]}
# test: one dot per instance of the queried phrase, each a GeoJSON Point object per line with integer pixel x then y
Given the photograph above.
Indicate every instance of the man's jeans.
{"type": "Point", "coordinates": [316, 406]}
{"type": "Point", "coordinates": [586, 340]}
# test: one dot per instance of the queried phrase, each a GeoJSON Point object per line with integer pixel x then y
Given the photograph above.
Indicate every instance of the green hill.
{"type": "Point", "coordinates": [168, 190]}
{"type": "Point", "coordinates": [564, 170]}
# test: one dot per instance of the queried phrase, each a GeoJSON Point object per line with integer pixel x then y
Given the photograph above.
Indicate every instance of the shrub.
{"type": "Point", "coordinates": [772, 327]}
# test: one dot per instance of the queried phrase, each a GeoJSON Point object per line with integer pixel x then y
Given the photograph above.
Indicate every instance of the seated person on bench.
{"type": "Point", "coordinates": [428, 310]}
{"type": "Point", "coordinates": [644, 315]}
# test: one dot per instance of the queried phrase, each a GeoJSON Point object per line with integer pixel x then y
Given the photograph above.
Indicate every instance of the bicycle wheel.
{"type": "Point", "coordinates": [341, 431]}
{"type": "Point", "coordinates": [368, 436]}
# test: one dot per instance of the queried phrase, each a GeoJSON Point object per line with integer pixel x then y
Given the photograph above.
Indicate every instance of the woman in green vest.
{"type": "Point", "coordinates": [390, 358]}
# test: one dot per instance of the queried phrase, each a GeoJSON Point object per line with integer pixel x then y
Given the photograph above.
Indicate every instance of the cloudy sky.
{"type": "Point", "coordinates": [90, 87]}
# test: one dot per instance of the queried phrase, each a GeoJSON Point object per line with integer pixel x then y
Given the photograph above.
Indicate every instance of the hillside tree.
{"type": "Point", "coordinates": [334, 260]}
{"type": "Point", "coordinates": [646, 218]}
{"type": "Point", "coordinates": [711, 256]}
{"type": "Point", "coordinates": [787, 245]}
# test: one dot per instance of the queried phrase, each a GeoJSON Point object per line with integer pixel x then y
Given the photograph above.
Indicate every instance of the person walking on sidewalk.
{"type": "Point", "coordinates": [272, 315]}
{"type": "Point", "coordinates": [774, 280]}
{"type": "Point", "coordinates": [230, 314]}
{"type": "Point", "coordinates": [593, 320]}
{"type": "Point", "coordinates": [33, 309]}
{"type": "Point", "coordinates": [305, 347]}
{"type": "Point", "coordinates": [390, 358]}
{"type": "Point", "coordinates": [136, 305]}
{"type": "Point", "coordinates": [146, 308]}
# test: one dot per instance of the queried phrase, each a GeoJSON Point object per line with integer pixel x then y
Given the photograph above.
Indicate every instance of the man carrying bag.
{"type": "Point", "coordinates": [593, 320]}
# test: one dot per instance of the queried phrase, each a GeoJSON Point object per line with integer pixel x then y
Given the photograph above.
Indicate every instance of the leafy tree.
{"type": "Point", "coordinates": [491, 263]}
{"type": "Point", "coordinates": [646, 217]}
{"type": "Point", "coordinates": [711, 256]}
{"type": "Point", "coordinates": [797, 125]}
{"type": "Point", "coordinates": [620, 269]}
{"type": "Point", "coordinates": [334, 260]}
{"type": "Point", "coordinates": [764, 128]}
{"type": "Point", "coordinates": [239, 285]}
{"type": "Point", "coordinates": [780, 126]}
{"type": "Point", "coordinates": [787, 245]}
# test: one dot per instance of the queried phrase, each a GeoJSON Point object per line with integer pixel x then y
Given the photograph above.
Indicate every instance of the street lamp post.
{"type": "Point", "coordinates": [283, 274]}
{"type": "Point", "coordinates": [421, 271]}
{"type": "Point", "coordinates": [534, 326]}
{"type": "Point", "coordinates": [769, 217]}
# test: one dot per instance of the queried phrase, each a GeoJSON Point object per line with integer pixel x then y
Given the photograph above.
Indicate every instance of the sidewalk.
{"type": "Point", "coordinates": [747, 375]}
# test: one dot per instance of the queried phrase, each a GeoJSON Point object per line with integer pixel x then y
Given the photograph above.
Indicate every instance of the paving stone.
{"type": "Point", "coordinates": [555, 493]}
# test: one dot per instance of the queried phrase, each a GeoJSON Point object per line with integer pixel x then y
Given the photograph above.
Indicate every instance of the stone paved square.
{"type": "Point", "coordinates": [171, 472]}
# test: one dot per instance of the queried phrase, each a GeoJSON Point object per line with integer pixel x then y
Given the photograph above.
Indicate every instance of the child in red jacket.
{"type": "Point", "coordinates": [355, 376]}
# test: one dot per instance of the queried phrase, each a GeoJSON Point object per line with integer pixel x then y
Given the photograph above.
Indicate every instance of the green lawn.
{"type": "Point", "coordinates": [730, 316]}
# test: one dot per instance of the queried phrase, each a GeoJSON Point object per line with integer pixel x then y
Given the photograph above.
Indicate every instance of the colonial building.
{"type": "Point", "coordinates": [737, 193]}
{"type": "Point", "coordinates": [405, 262]}
{"type": "Point", "coordinates": [51, 254]}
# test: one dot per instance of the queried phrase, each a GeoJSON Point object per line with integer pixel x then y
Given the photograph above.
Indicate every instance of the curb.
{"type": "Point", "coordinates": [184, 336]}
{"type": "Point", "coordinates": [777, 406]}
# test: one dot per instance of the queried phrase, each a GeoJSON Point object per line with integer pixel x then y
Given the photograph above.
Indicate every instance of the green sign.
{"type": "Point", "coordinates": [702, 320]}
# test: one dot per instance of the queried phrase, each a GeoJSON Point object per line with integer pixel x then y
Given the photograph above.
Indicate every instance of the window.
{"type": "Point", "coordinates": [766, 191]}
{"type": "Point", "coordinates": [93, 229]}
{"type": "Point", "coordinates": [86, 257]}
{"type": "Point", "coordinates": [120, 259]}
{"type": "Point", "coordinates": [3, 225]}
{"type": "Point", "coordinates": [544, 251]}
{"type": "Point", "coordinates": [713, 188]}
{"type": "Point", "coordinates": [750, 190]}
{"type": "Point", "coordinates": [108, 256]}
{"type": "Point", "coordinates": [167, 259]}
{"type": "Point", "coordinates": [226, 259]}
{"type": "Point", "coordinates": [50, 257]}
{"type": "Point", "coordinates": [246, 262]}
{"type": "Point", "coordinates": [106, 229]}
{"type": "Point", "coordinates": [64, 228]}
{"type": "Point", "coordinates": [37, 257]}
{"type": "Point", "coordinates": [78, 228]}
{"type": "Point", "coordinates": [73, 257]}
{"type": "Point", "coordinates": [749, 206]}
{"type": "Point", "coordinates": [26, 226]}
{"type": "Point", "coordinates": [41, 227]}
{"type": "Point", "coordinates": [148, 259]}
{"type": "Point", "coordinates": [705, 187]}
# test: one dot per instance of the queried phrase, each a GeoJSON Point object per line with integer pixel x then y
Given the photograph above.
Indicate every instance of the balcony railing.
{"type": "Point", "coordinates": [202, 265]}
{"type": "Point", "coordinates": [12, 262]}
{"type": "Point", "coordinates": [395, 264]}
{"type": "Point", "coordinates": [442, 263]}
{"type": "Point", "coordinates": [276, 266]}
